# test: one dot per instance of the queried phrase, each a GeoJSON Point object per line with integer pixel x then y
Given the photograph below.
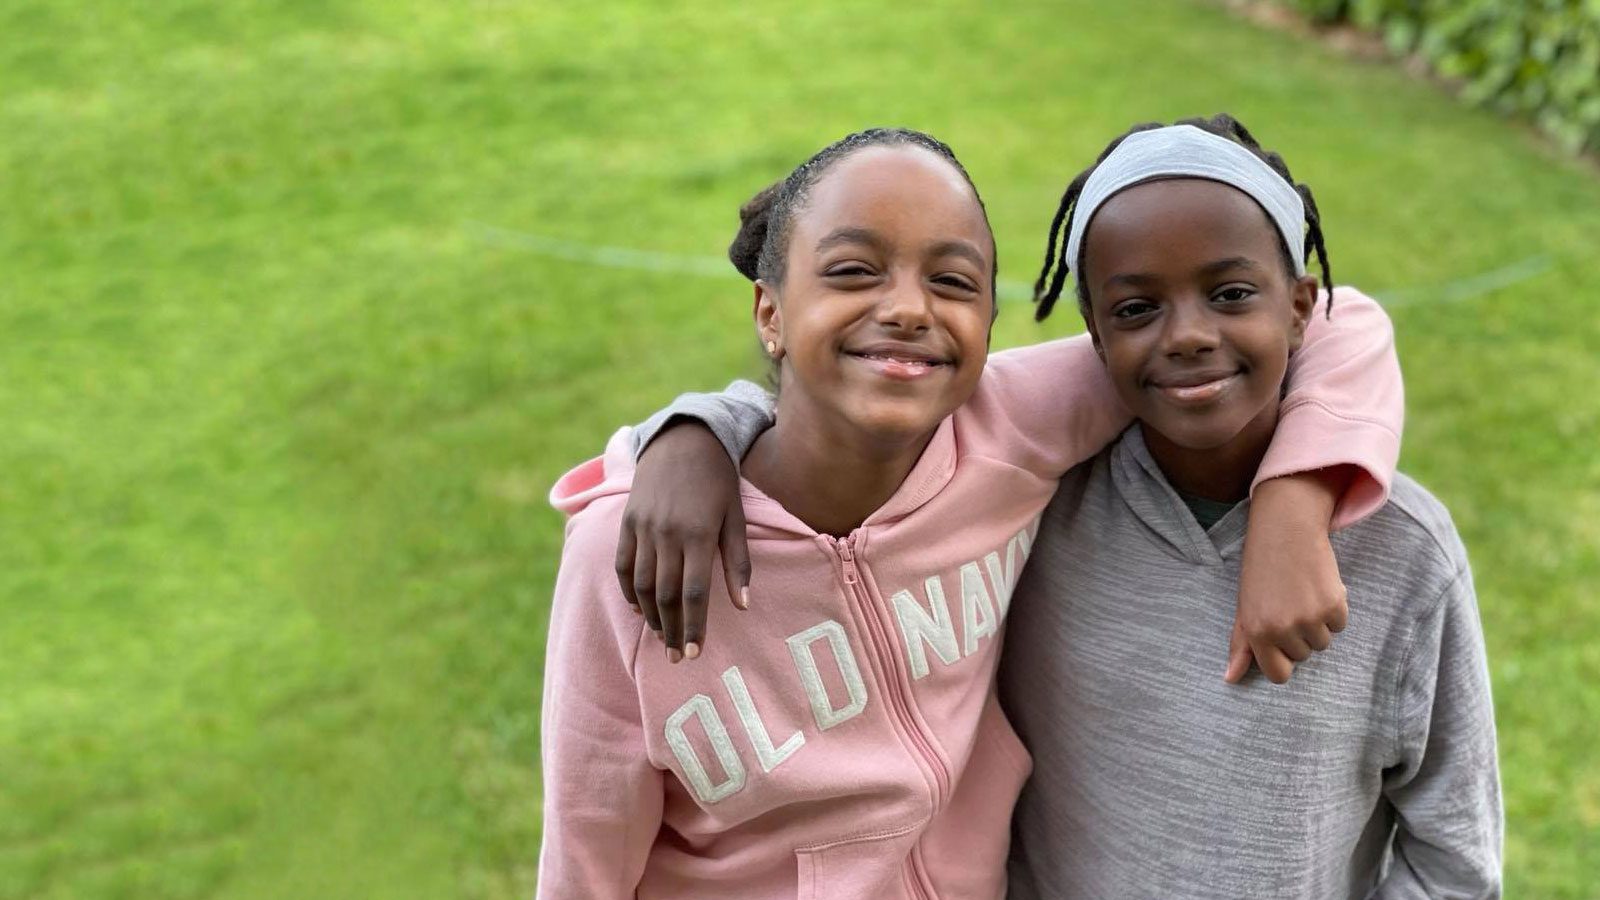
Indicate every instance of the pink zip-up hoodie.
{"type": "Point", "coordinates": [842, 739]}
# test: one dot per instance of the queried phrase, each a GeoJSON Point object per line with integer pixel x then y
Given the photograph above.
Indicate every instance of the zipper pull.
{"type": "Point", "coordinates": [847, 554]}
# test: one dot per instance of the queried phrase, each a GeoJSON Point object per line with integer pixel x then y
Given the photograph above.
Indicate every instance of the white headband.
{"type": "Point", "coordinates": [1184, 150]}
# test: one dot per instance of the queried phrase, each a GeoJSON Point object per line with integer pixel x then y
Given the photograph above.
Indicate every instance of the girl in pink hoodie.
{"type": "Point", "coordinates": [846, 742]}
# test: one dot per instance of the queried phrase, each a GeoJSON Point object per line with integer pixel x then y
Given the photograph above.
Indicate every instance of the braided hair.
{"type": "Point", "coordinates": [1222, 125]}
{"type": "Point", "coordinates": [760, 249]}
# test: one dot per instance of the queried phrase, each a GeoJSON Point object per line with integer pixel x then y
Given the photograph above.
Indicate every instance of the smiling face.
{"type": "Point", "coordinates": [887, 297]}
{"type": "Point", "coordinates": [1194, 311]}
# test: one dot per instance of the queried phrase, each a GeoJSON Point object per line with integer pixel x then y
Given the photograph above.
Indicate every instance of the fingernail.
{"type": "Point", "coordinates": [691, 650]}
{"type": "Point", "coordinates": [674, 654]}
{"type": "Point", "coordinates": [744, 598]}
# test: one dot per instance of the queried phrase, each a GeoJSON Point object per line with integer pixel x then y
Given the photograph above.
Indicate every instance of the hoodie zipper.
{"type": "Point", "coordinates": [899, 695]}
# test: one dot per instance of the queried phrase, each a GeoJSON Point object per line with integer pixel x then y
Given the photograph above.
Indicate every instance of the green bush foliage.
{"type": "Point", "coordinates": [1539, 58]}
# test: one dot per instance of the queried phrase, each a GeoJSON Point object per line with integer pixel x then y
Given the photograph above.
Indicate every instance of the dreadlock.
{"type": "Point", "coordinates": [760, 249]}
{"type": "Point", "coordinates": [1222, 125]}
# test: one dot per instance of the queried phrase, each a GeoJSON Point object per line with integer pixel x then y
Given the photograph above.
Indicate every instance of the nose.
{"type": "Point", "coordinates": [905, 306]}
{"type": "Point", "coordinates": [1191, 329]}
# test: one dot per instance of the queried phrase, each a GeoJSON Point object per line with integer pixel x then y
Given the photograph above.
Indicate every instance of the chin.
{"type": "Point", "coordinates": [1205, 433]}
{"type": "Point", "coordinates": [893, 420]}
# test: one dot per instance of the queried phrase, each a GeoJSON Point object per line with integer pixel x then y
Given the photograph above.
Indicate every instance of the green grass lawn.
{"type": "Point", "coordinates": [280, 412]}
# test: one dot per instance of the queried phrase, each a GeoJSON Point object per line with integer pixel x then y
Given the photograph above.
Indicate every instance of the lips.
{"type": "Point", "coordinates": [902, 362]}
{"type": "Point", "coordinates": [1197, 387]}
{"type": "Point", "coordinates": [906, 353]}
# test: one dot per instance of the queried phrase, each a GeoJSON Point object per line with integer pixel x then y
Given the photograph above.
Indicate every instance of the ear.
{"type": "Point", "coordinates": [768, 316]}
{"type": "Point", "coordinates": [1094, 333]}
{"type": "Point", "coordinates": [1302, 300]}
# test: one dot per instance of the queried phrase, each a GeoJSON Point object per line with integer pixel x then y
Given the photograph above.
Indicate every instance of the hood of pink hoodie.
{"type": "Point", "coordinates": [606, 475]}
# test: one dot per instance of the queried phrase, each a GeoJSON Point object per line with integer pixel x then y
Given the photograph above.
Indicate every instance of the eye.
{"type": "Point", "coordinates": [1235, 294]}
{"type": "Point", "coordinates": [1132, 309]}
{"type": "Point", "coordinates": [848, 270]}
{"type": "Point", "coordinates": [959, 282]}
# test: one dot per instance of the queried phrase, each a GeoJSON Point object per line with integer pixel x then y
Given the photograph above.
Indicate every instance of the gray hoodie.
{"type": "Point", "coordinates": [1372, 773]}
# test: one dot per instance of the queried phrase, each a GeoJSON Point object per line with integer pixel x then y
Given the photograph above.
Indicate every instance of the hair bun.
{"type": "Point", "coordinates": [745, 251]}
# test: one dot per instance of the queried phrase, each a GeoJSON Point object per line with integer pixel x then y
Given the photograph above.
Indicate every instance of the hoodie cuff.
{"type": "Point", "coordinates": [737, 416]}
{"type": "Point", "coordinates": [1321, 438]}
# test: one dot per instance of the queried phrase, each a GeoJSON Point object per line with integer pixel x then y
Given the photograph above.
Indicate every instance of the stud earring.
{"type": "Point", "coordinates": [772, 348]}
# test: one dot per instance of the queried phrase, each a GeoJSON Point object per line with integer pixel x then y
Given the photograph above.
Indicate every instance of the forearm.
{"type": "Point", "coordinates": [737, 416]}
{"type": "Point", "coordinates": [1345, 408]}
{"type": "Point", "coordinates": [1303, 499]}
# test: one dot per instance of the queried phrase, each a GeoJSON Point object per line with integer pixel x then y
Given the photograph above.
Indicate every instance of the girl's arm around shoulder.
{"type": "Point", "coordinates": [1345, 405]}
{"type": "Point", "coordinates": [1048, 407]}
{"type": "Point", "coordinates": [1330, 464]}
{"type": "Point", "coordinates": [1044, 408]}
{"type": "Point", "coordinates": [602, 795]}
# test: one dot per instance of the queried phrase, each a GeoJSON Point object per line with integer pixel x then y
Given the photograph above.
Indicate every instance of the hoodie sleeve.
{"type": "Point", "coordinates": [1050, 406]}
{"type": "Point", "coordinates": [1345, 405]}
{"type": "Point", "coordinates": [737, 416]}
{"type": "Point", "coordinates": [602, 795]}
{"type": "Point", "coordinates": [1045, 407]}
{"type": "Point", "coordinates": [1446, 788]}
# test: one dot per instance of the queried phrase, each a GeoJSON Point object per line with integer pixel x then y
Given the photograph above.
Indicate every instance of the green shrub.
{"type": "Point", "coordinates": [1540, 58]}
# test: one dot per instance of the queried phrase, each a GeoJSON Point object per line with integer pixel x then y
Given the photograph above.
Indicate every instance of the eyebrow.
{"type": "Point", "coordinates": [856, 235]}
{"type": "Point", "coordinates": [964, 249]}
{"type": "Point", "coordinates": [1130, 279]}
{"type": "Point", "coordinates": [850, 235]}
{"type": "Point", "coordinates": [1232, 262]}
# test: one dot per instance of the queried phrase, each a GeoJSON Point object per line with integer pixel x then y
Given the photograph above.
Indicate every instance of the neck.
{"type": "Point", "coordinates": [828, 474]}
{"type": "Point", "coordinates": [1220, 473]}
